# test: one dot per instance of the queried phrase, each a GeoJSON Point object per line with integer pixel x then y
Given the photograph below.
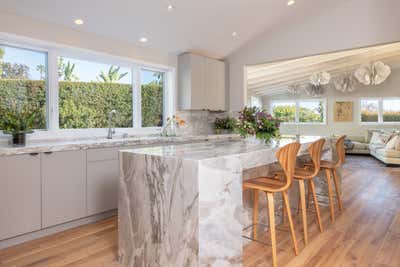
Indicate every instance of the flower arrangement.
{"type": "Point", "coordinates": [224, 124]}
{"type": "Point", "coordinates": [256, 122]}
{"type": "Point", "coordinates": [173, 123]}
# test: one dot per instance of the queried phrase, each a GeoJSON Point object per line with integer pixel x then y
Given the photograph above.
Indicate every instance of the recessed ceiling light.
{"type": "Point", "coordinates": [234, 34]}
{"type": "Point", "coordinates": [143, 40]}
{"type": "Point", "coordinates": [170, 7]}
{"type": "Point", "coordinates": [290, 2]}
{"type": "Point", "coordinates": [78, 21]}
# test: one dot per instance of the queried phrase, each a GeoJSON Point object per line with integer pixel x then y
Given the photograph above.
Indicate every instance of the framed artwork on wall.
{"type": "Point", "coordinates": [343, 111]}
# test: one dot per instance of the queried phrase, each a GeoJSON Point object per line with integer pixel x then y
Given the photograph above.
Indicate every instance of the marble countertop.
{"type": "Point", "coordinates": [216, 148]}
{"type": "Point", "coordinates": [54, 146]}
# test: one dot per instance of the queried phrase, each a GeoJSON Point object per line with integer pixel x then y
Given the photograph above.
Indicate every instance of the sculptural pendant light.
{"type": "Point", "coordinates": [345, 83]}
{"type": "Point", "coordinates": [318, 81]}
{"type": "Point", "coordinates": [294, 89]}
{"type": "Point", "coordinates": [372, 73]}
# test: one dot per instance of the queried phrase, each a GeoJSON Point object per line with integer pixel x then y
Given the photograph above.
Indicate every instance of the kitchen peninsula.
{"type": "Point", "coordinates": [181, 205]}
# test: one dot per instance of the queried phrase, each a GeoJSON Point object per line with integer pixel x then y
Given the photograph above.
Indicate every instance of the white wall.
{"type": "Point", "coordinates": [352, 24]}
{"type": "Point", "coordinates": [390, 88]}
{"type": "Point", "coordinates": [43, 31]}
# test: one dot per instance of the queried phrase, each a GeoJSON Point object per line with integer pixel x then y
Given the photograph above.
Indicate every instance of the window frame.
{"type": "Point", "coordinates": [297, 113]}
{"type": "Point", "coordinates": [53, 51]}
{"type": "Point", "coordinates": [380, 111]}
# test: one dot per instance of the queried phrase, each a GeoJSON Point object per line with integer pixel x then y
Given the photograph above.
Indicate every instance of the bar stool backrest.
{"type": "Point", "coordinates": [315, 151]}
{"type": "Point", "coordinates": [341, 152]}
{"type": "Point", "coordinates": [287, 159]}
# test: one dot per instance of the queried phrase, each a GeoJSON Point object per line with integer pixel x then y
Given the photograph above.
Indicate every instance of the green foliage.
{"type": "Point", "coordinates": [112, 76]}
{"type": "Point", "coordinates": [152, 104]}
{"type": "Point", "coordinates": [227, 123]}
{"type": "Point", "coordinates": [285, 113]}
{"type": "Point", "coordinates": [68, 72]}
{"type": "Point", "coordinates": [255, 121]}
{"type": "Point", "coordinates": [22, 105]}
{"type": "Point", "coordinates": [42, 71]}
{"type": "Point", "coordinates": [82, 104]}
{"type": "Point", "coordinates": [310, 115]}
{"type": "Point", "coordinates": [369, 116]}
{"type": "Point", "coordinates": [391, 116]}
{"type": "Point", "coordinates": [14, 71]}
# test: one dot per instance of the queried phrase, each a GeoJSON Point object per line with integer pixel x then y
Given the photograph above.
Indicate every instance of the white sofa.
{"type": "Point", "coordinates": [376, 148]}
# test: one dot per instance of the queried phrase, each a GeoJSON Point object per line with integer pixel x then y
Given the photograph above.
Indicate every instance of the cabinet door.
{"type": "Point", "coordinates": [19, 195]}
{"type": "Point", "coordinates": [64, 187]}
{"type": "Point", "coordinates": [102, 186]}
{"type": "Point", "coordinates": [215, 84]}
{"type": "Point", "coordinates": [198, 95]}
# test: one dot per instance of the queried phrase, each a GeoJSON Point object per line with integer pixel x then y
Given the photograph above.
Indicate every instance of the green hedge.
{"type": "Point", "coordinates": [86, 104]}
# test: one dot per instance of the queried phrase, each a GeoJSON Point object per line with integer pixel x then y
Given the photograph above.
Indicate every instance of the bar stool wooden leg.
{"type": "Point", "coordinates": [255, 213]}
{"type": "Point", "coordinates": [289, 212]}
{"type": "Point", "coordinates": [271, 217]}
{"type": "Point", "coordinates": [332, 208]}
{"type": "Point", "coordinates": [303, 210]}
{"type": "Point", "coordinates": [283, 211]}
{"type": "Point", "coordinates": [316, 206]}
{"type": "Point", "coordinates": [336, 180]}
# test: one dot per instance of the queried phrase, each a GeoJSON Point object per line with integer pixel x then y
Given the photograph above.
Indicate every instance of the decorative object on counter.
{"type": "Point", "coordinates": [224, 125]}
{"type": "Point", "coordinates": [255, 123]}
{"type": "Point", "coordinates": [345, 83]}
{"type": "Point", "coordinates": [343, 111]}
{"type": "Point", "coordinates": [372, 73]}
{"type": "Point", "coordinates": [294, 89]}
{"type": "Point", "coordinates": [172, 127]}
{"type": "Point", "coordinates": [19, 120]}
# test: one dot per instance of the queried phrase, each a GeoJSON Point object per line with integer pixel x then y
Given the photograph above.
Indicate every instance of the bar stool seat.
{"type": "Point", "coordinates": [265, 184]}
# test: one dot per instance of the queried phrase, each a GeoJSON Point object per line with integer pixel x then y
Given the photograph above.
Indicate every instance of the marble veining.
{"type": "Point", "coordinates": [38, 147]}
{"type": "Point", "coordinates": [182, 205]}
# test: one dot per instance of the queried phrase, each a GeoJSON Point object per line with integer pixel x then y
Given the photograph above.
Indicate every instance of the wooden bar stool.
{"type": "Point", "coordinates": [330, 167]}
{"type": "Point", "coordinates": [307, 174]}
{"type": "Point", "coordinates": [287, 158]}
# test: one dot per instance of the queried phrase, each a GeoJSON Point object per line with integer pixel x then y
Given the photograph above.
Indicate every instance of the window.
{"type": "Point", "coordinates": [152, 95]}
{"type": "Point", "coordinates": [22, 87]}
{"type": "Point", "coordinates": [369, 110]}
{"type": "Point", "coordinates": [89, 91]}
{"type": "Point", "coordinates": [391, 110]}
{"type": "Point", "coordinates": [311, 111]}
{"type": "Point", "coordinates": [299, 111]}
{"type": "Point", "coordinates": [284, 111]}
{"type": "Point", "coordinates": [380, 110]}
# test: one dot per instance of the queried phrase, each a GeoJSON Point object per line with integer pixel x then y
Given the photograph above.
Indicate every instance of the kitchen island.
{"type": "Point", "coordinates": [182, 205]}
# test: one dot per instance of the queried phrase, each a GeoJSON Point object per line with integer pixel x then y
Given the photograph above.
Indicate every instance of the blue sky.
{"type": "Point", "coordinates": [85, 70]}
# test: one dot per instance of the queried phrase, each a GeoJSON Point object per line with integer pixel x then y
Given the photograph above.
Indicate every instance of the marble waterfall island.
{"type": "Point", "coordinates": [181, 205]}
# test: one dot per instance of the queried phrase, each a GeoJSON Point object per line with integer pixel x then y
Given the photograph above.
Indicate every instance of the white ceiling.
{"type": "Point", "coordinates": [202, 26]}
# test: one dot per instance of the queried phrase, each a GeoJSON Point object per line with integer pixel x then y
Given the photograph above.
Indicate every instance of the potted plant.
{"type": "Point", "coordinates": [255, 123]}
{"type": "Point", "coordinates": [224, 125]}
{"type": "Point", "coordinates": [19, 120]}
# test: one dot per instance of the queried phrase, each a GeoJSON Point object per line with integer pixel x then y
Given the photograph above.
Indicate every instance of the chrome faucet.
{"type": "Point", "coordinates": [111, 129]}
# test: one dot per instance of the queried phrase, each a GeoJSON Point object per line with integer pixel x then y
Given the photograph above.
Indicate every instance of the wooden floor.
{"type": "Point", "coordinates": [367, 233]}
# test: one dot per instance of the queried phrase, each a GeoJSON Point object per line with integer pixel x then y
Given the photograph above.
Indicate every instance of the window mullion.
{"type": "Point", "coordinates": [297, 114]}
{"type": "Point", "coordinates": [52, 89]}
{"type": "Point", "coordinates": [136, 98]}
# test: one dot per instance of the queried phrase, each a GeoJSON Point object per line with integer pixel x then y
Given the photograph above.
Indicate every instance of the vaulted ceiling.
{"type": "Point", "coordinates": [275, 78]}
{"type": "Point", "coordinates": [202, 26]}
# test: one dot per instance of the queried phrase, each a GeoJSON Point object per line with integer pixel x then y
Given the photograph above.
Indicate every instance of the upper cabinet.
{"type": "Point", "coordinates": [201, 83]}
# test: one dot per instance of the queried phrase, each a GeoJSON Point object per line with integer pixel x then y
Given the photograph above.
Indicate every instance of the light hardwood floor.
{"type": "Point", "coordinates": [367, 233]}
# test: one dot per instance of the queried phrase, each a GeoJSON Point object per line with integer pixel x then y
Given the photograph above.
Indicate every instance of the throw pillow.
{"type": "Point", "coordinates": [376, 138]}
{"type": "Point", "coordinates": [391, 144]}
{"type": "Point", "coordinates": [370, 133]}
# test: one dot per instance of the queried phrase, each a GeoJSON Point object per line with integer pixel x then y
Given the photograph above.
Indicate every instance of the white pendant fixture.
{"type": "Point", "coordinates": [321, 78]}
{"type": "Point", "coordinates": [345, 83]}
{"type": "Point", "coordinates": [294, 89]}
{"type": "Point", "coordinates": [372, 73]}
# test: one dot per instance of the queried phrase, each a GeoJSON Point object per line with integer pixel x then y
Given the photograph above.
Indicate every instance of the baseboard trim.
{"type": "Point", "coordinates": [55, 229]}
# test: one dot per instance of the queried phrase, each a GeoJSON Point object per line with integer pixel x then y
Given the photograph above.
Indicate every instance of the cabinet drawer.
{"type": "Point", "coordinates": [102, 154]}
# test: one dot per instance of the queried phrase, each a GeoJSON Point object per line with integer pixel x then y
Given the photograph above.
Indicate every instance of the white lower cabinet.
{"type": "Point", "coordinates": [20, 192]}
{"type": "Point", "coordinates": [102, 186]}
{"type": "Point", "coordinates": [63, 187]}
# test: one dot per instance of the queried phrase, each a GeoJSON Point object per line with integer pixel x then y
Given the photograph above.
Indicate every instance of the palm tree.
{"type": "Point", "coordinates": [113, 75]}
{"type": "Point", "coordinates": [69, 72]}
{"type": "Point", "coordinates": [1, 60]}
{"type": "Point", "coordinates": [41, 69]}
